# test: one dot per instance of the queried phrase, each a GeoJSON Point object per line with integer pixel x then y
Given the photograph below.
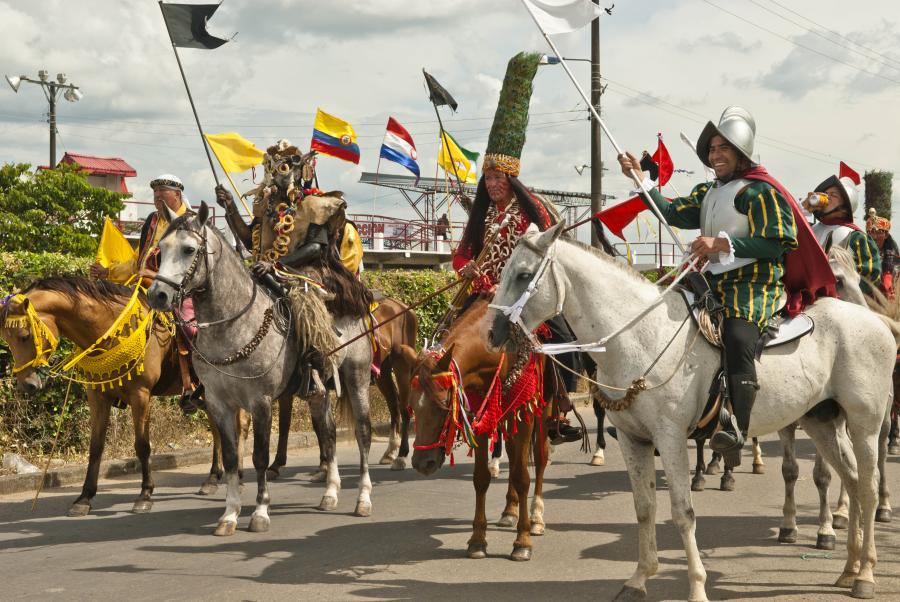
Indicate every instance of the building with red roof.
{"type": "Point", "coordinates": [103, 172]}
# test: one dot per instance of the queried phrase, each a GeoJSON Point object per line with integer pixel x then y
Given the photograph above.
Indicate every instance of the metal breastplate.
{"type": "Point", "coordinates": [718, 214]}
{"type": "Point", "coordinates": [832, 235]}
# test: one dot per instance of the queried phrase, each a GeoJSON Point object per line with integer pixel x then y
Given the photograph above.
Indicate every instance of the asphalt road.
{"type": "Point", "coordinates": [413, 546]}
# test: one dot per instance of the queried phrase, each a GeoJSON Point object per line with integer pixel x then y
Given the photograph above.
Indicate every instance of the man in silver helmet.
{"type": "Point", "coordinates": [748, 224]}
{"type": "Point", "coordinates": [833, 204]}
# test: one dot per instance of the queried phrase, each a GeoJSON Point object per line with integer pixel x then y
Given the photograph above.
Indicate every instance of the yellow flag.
{"type": "Point", "coordinates": [235, 153]}
{"type": "Point", "coordinates": [114, 247]}
{"type": "Point", "coordinates": [454, 158]}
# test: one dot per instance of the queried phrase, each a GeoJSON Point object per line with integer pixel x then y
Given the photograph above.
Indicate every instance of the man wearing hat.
{"type": "Point", "coordinates": [169, 199]}
{"type": "Point", "coordinates": [834, 227]}
{"type": "Point", "coordinates": [170, 202]}
{"type": "Point", "coordinates": [749, 228]}
{"type": "Point", "coordinates": [500, 193]}
{"type": "Point", "coordinates": [879, 229]}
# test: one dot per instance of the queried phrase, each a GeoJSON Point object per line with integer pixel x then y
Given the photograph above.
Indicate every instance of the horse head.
{"type": "Point", "coordinates": [30, 340]}
{"type": "Point", "coordinates": [185, 257]}
{"type": "Point", "coordinates": [847, 279]}
{"type": "Point", "coordinates": [522, 299]}
{"type": "Point", "coordinates": [431, 410]}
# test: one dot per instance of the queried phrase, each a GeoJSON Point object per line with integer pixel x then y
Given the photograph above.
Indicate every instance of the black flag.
{"type": "Point", "coordinates": [437, 94]}
{"type": "Point", "coordinates": [187, 25]}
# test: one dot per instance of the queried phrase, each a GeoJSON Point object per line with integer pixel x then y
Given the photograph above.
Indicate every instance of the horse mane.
{"type": "Point", "coordinates": [76, 287]}
{"type": "Point", "coordinates": [844, 259]}
{"type": "Point", "coordinates": [602, 255]}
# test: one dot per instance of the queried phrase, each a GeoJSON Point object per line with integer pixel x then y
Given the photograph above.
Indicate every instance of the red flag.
{"type": "Point", "coordinates": [845, 171]}
{"type": "Point", "coordinates": [618, 216]}
{"type": "Point", "coordinates": [661, 157]}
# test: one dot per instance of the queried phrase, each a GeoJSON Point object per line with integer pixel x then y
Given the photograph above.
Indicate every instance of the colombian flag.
{"type": "Point", "coordinates": [335, 137]}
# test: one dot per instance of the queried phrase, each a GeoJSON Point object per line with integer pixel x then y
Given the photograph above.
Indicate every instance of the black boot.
{"type": "Point", "coordinates": [563, 432]}
{"type": "Point", "coordinates": [730, 439]}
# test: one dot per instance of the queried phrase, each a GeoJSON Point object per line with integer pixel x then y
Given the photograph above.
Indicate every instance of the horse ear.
{"type": "Point", "coordinates": [443, 364]}
{"type": "Point", "coordinates": [203, 213]}
{"type": "Point", "coordinates": [549, 236]}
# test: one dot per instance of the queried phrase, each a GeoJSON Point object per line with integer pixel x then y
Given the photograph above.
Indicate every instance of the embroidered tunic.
{"type": "Point", "coordinates": [752, 292]}
{"type": "Point", "coordinates": [859, 244]}
{"type": "Point", "coordinates": [500, 249]}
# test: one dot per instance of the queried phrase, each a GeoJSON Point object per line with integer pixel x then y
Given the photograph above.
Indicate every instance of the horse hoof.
{"type": "Point", "coordinates": [477, 551]}
{"type": "Point", "coordinates": [494, 469]}
{"type": "Point", "coordinates": [259, 523]}
{"type": "Point", "coordinates": [759, 469]}
{"type": "Point", "coordinates": [840, 522]}
{"type": "Point", "coordinates": [363, 509]}
{"type": "Point", "coordinates": [711, 469]}
{"type": "Point", "coordinates": [79, 510]}
{"type": "Point", "coordinates": [864, 590]}
{"type": "Point", "coordinates": [894, 450]}
{"type": "Point", "coordinates": [537, 529]}
{"type": "Point", "coordinates": [508, 520]}
{"type": "Point", "coordinates": [846, 580]}
{"type": "Point", "coordinates": [630, 594]}
{"type": "Point", "coordinates": [318, 477]}
{"type": "Point", "coordinates": [698, 484]}
{"type": "Point", "coordinates": [329, 502]}
{"type": "Point", "coordinates": [208, 488]}
{"type": "Point", "coordinates": [142, 506]}
{"type": "Point", "coordinates": [386, 459]}
{"type": "Point", "coordinates": [883, 515]}
{"type": "Point", "coordinates": [727, 483]}
{"type": "Point", "coordinates": [598, 458]}
{"type": "Point", "coordinates": [787, 535]}
{"type": "Point", "coordinates": [520, 554]}
{"type": "Point", "coordinates": [399, 464]}
{"type": "Point", "coordinates": [825, 542]}
{"type": "Point", "coordinates": [225, 529]}
{"type": "Point", "coordinates": [272, 474]}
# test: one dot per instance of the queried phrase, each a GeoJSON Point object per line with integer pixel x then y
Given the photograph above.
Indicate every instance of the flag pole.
{"type": "Point", "coordinates": [190, 98]}
{"type": "Point", "coordinates": [233, 185]}
{"type": "Point", "coordinates": [446, 144]}
{"type": "Point", "coordinates": [644, 194]}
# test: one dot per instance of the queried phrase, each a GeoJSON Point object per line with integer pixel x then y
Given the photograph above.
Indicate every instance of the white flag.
{"type": "Point", "coordinates": [562, 16]}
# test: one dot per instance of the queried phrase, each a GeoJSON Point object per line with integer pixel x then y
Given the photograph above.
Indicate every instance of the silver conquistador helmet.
{"type": "Point", "coordinates": [737, 126]}
{"type": "Point", "coordinates": [847, 189]}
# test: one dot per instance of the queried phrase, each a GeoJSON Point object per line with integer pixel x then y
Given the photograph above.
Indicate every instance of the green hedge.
{"type": "Point", "coordinates": [409, 286]}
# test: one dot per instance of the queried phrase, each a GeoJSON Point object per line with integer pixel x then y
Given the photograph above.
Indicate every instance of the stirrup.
{"type": "Point", "coordinates": [728, 439]}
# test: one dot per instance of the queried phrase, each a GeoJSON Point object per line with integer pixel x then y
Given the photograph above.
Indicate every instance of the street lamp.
{"type": "Point", "coordinates": [52, 90]}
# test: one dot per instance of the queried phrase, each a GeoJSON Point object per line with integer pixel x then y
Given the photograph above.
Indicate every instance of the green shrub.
{"type": "Point", "coordinates": [410, 286]}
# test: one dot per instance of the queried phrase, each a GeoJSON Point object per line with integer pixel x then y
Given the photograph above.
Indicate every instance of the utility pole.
{"type": "Point", "coordinates": [51, 96]}
{"type": "Point", "coordinates": [596, 92]}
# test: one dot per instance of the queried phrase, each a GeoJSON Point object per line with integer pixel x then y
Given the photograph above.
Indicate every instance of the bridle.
{"type": "Point", "coordinates": [39, 332]}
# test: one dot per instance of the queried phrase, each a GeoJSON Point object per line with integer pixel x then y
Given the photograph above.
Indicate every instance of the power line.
{"type": "Point", "coordinates": [799, 45]}
{"type": "Point", "coordinates": [833, 32]}
{"type": "Point", "coordinates": [821, 35]}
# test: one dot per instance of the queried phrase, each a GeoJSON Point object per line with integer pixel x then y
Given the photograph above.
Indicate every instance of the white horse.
{"type": "Point", "coordinates": [846, 362]}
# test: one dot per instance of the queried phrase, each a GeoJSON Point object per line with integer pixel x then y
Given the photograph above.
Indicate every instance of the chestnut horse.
{"type": "Point", "coordinates": [393, 363]}
{"type": "Point", "coordinates": [82, 311]}
{"type": "Point", "coordinates": [465, 345]}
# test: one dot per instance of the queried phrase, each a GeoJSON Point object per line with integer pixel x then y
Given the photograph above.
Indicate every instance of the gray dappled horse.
{"type": "Point", "coordinates": [839, 374]}
{"type": "Point", "coordinates": [246, 355]}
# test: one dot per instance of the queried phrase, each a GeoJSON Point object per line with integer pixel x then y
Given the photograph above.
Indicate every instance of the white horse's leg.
{"type": "Point", "coordinates": [355, 380]}
{"type": "Point", "coordinates": [790, 470]}
{"type": "Point", "coordinates": [825, 537]}
{"type": "Point", "coordinates": [225, 423]}
{"type": "Point", "coordinates": [833, 443]}
{"type": "Point", "coordinates": [262, 431]}
{"type": "Point", "coordinates": [884, 512]}
{"type": "Point", "coordinates": [638, 457]}
{"type": "Point", "coordinates": [675, 462]}
{"type": "Point", "coordinates": [320, 408]}
{"type": "Point", "coordinates": [865, 445]}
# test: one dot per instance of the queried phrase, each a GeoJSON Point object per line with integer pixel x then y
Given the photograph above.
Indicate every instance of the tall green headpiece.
{"type": "Point", "coordinates": [504, 149]}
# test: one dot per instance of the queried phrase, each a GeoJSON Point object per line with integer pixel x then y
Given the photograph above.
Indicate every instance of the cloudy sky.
{"type": "Point", "coordinates": [822, 78]}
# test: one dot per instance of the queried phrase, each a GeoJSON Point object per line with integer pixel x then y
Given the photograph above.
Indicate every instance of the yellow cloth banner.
{"type": "Point", "coordinates": [454, 159]}
{"type": "Point", "coordinates": [235, 153]}
{"type": "Point", "coordinates": [114, 247]}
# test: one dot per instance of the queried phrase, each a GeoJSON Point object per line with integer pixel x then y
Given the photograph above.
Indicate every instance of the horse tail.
{"type": "Point", "coordinates": [344, 411]}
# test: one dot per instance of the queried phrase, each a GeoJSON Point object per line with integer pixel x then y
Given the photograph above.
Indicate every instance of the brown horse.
{"type": "Point", "coordinates": [82, 311]}
{"type": "Point", "coordinates": [392, 380]}
{"type": "Point", "coordinates": [465, 345]}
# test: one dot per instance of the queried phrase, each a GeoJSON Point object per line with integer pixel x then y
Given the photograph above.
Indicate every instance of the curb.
{"type": "Point", "coordinates": [65, 476]}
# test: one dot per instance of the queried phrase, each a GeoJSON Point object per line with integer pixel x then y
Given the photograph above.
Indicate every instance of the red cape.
{"type": "Point", "coordinates": [807, 274]}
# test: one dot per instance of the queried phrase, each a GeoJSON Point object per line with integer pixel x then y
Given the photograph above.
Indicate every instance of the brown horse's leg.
{"type": "Point", "coordinates": [140, 414]}
{"type": "Point", "coordinates": [518, 447]}
{"type": "Point", "coordinates": [211, 484]}
{"type": "Point", "coordinates": [99, 423]}
{"type": "Point", "coordinates": [403, 374]}
{"type": "Point", "coordinates": [242, 424]}
{"type": "Point", "coordinates": [481, 479]}
{"type": "Point", "coordinates": [510, 514]}
{"type": "Point", "coordinates": [285, 409]}
{"type": "Point", "coordinates": [385, 384]}
{"type": "Point", "coordinates": [541, 447]}
{"type": "Point", "coordinates": [698, 483]}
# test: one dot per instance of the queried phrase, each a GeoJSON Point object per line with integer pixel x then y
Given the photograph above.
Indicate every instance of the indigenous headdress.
{"type": "Point", "coordinates": [167, 180]}
{"type": "Point", "coordinates": [874, 223]}
{"type": "Point", "coordinates": [507, 137]}
{"type": "Point", "coordinates": [737, 126]}
{"type": "Point", "coordinates": [847, 189]}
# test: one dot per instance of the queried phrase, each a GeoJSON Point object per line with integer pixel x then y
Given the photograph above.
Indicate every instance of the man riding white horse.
{"type": "Point", "coordinates": [748, 223]}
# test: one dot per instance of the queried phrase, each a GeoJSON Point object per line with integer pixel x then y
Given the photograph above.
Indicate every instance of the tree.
{"type": "Point", "coordinates": [52, 210]}
{"type": "Point", "coordinates": [878, 192]}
